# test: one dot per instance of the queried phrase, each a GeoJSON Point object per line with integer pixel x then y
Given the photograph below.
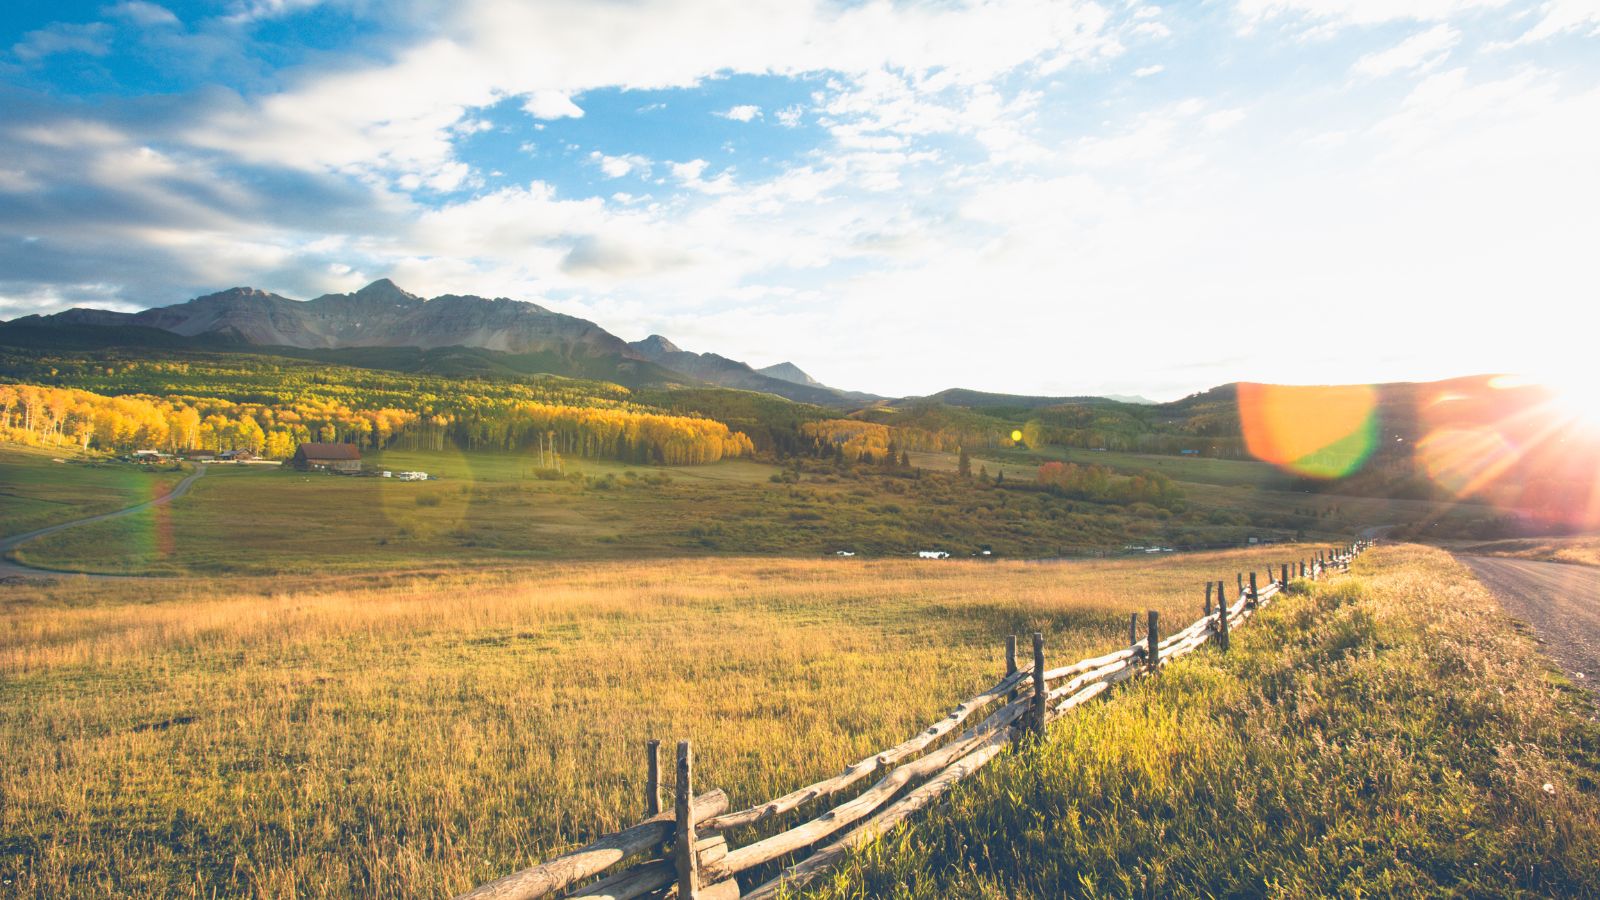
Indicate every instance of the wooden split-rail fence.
{"type": "Point", "coordinates": [685, 852]}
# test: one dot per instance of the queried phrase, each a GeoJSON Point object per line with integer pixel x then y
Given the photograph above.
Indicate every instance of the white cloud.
{"type": "Point", "coordinates": [353, 120]}
{"type": "Point", "coordinates": [1561, 16]}
{"type": "Point", "coordinates": [1147, 71]}
{"type": "Point", "coordinates": [147, 15]}
{"type": "Point", "coordinates": [789, 116]}
{"type": "Point", "coordinates": [743, 113]}
{"type": "Point", "coordinates": [249, 11]}
{"type": "Point", "coordinates": [551, 105]}
{"type": "Point", "coordinates": [1360, 12]}
{"type": "Point", "coordinates": [620, 166]}
{"type": "Point", "coordinates": [90, 38]}
{"type": "Point", "coordinates": [1423, 50]}
{"type": "Point", "coordinates": [1222, 120]}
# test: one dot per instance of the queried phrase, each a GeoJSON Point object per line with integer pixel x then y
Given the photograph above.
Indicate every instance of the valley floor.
{"type": "Point", "coordinates": [495, 509]}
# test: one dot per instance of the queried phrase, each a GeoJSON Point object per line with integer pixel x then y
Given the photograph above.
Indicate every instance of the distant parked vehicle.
{"type": "Point", "coordinates": [933, 554]}
{"type": "Point", "coordinates": [412, 476]}
{"type": "Point", "coordinates": [844, 553]}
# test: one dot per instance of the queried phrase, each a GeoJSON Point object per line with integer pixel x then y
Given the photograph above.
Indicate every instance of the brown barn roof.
{"type": "Point", "coordinates": [328, 451]}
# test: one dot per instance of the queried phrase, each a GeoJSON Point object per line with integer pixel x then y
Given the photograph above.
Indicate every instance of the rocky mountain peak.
{"type": "Point", "coordinates": [655, 346]}
{"type": "Point", "coordinates": [384, 289]}
{"type": "Point", "coordinates": [788, 371]}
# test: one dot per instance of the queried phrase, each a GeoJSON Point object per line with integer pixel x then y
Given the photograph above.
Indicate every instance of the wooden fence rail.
{"type": "Point", "coordinates": [685, 852]}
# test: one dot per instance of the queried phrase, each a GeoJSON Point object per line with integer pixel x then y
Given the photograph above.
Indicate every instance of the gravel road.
{"type": "Point", "coordinates": [1560, 601]}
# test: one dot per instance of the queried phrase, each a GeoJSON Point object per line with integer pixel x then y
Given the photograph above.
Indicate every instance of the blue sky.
{"type": "Point", "coordinates": [1042, 196]}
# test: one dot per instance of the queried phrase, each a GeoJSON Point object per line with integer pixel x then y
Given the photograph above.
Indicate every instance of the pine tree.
{"type": "Point", "coordinates": [964, 464]}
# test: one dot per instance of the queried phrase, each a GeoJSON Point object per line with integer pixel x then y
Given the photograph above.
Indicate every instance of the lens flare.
{"type": "Point", "coordinates": [1321, 432]}
{"type": "Point", "coordinates": [1465, 460]}
{"type": "Point", "coordinates": [1016, 437]}
{"type": "Point", "coordinates": [1530, 447]}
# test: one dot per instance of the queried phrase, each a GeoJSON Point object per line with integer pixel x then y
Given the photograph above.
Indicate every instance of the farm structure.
{"type": "Point", "coordinates": [336, 457]}
{"type": "Point", "coordinates": [689, 851]}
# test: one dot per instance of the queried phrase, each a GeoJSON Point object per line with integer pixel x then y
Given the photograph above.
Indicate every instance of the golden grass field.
{"type": "Point", "coordinates": [389, 736]}
{"type": "Point", "coordinates": [1386, 734]}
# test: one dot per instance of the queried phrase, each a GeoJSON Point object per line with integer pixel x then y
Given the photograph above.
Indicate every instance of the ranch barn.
{"type": "Point", "coordinates": [338, 457]}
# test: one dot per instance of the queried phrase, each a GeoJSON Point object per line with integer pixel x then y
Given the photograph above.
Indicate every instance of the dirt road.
{"type": "Point", "coordinates": [1560, 601]}
{"type": "Point", "coordinates": [11, 568]}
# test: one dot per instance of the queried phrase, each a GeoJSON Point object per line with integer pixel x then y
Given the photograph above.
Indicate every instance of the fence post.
{"type": "Point", "coordinates": [1254, 597]}
{"type": "Point", "coordinates": [1239, 579]}
{"type": "Point", "coordinates": [1011, 655]}
{"type": "Point", "coordinates": [1208, 598]}
{"type": "Point", "coordinates": [1133, 629]}
{"type": "Point", "coordinates": [1285, 577]}
{"type": "Point", "coordinates": [1302, 568]}
{"type": "Point", "coordinates": [688, 862]}
{"type": "Point", "coordinates": [1038, 682]}
{"type": "Point", "coordinates": [1153, 656]}
{"type": "Point", "coordinates": [652, 779]}
{"type": "Point", "coordinates": [1222, 619]}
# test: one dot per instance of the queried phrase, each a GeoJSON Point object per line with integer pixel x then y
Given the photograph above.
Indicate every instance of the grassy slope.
{"type": "Point", "coordinates": [407, 736]}
{"type": "Point", "coordinates": [1390, 734]}
{"type": "Point", "coordinates": [36, 492]}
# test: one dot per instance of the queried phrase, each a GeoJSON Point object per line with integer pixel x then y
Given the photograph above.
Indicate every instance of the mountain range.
{"type": "Point", "coordinates": [387, 326]}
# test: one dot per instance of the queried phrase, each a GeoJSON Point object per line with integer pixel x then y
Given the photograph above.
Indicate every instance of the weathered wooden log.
{"type": "Point", "coordinates": [1079, 698]}
{"type": "Point", "coordinates": [1189, 646]}
{"type": "Point", "coordinates": [1011, 654]}
{"type": "Point", "coordinates": [684, 858]}
{"type": "Point", "coordinates": [634, 881]}
{"type": "Point", "coordinates": [1153, 657]}
{"type": "Point", "coordinates": [1197, 625]}
{"type": "Point", "coordinates": [588, 861]}
{"type": "Point", "coordinates": [654, 875]}
{"type": "Point", "coordinates": [881, 823]}
{"type": "Point", "coordinates": [1039, 683]}
{"type": "Point", "coordinates": [652, 779]}
{"type": "Point", "coordinates": [809, 833]}
{"type": "Point", "coordinates": [1101, 674]}
{"type": "Point", "coordinates": [1133, 628]}
{"type": "Point", "coordinates": [1086, 665]}
{"type": "Point", "coordinates": [709, 850]}
{"type": "Point", "coordinates": [859, 770]}
{"type": "Point", "coordinates": [1222, 618]}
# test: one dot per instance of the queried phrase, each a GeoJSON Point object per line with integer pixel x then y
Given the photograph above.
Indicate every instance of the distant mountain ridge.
{"type": "Point", "coordinates": [730, 373]}
{"type": "Point", "coordinates": [383, 315]}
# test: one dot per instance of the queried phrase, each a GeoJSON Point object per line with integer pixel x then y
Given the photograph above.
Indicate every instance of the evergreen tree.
{"type": "Point", "coordinates": [964, 464]}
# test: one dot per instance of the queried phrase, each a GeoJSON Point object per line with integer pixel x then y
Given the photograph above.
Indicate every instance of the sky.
{"type": "Point", "coordinates": [1041, 196]}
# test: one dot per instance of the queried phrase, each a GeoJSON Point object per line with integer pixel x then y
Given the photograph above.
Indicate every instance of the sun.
{"type": "Point", "coordinates": [1575, 397]}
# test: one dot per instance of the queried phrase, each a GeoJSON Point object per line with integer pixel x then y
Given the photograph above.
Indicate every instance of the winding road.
{"type": "Point", "coordinates": [10, 568]}
{"type": "Point", "coordinates": [1561, 602]}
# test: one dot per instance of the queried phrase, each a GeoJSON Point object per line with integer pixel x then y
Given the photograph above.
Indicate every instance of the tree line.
{"type": "Point", "coordinates": [55, 416]}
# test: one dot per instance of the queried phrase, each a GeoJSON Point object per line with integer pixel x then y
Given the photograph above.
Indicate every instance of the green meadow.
{"type": "Point", "coordinates": [40, 487]}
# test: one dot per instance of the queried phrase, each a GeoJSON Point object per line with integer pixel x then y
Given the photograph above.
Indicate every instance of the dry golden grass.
{"type": "Point", "coordinates": [1388, 734]}
{"type": "Point", "coordinates": [413, 735]}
